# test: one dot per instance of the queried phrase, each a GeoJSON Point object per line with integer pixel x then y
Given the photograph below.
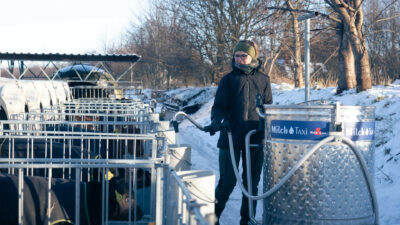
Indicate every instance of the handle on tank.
{"type": "Point", "coordinates": [334, 136]}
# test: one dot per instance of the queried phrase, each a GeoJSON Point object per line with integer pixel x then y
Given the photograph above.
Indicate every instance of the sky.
{"type": "Point", "coordinates": [385, 99]}
{"type": "Point", "coordinates": [65, 26]}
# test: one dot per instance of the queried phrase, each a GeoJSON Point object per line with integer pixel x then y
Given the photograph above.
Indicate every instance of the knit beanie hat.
{"type": "Point", "coordinates": [248, 47]}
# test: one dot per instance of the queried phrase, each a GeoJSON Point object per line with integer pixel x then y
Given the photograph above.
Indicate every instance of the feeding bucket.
{"type": "Point", "coordinates": [329, 187]}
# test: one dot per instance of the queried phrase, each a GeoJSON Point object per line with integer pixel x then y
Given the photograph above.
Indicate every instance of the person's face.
{"type": "Point", "coordinates": [242, 58]}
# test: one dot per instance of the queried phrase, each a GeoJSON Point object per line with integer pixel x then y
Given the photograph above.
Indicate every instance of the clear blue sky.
{"type": "Point", "coordinates": [65, 26]}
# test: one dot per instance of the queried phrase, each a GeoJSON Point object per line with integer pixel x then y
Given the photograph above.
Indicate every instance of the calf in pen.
{"type": "Point", "coordinates": [62, 211]}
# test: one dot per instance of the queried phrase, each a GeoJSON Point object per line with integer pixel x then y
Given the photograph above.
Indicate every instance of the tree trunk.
{"type": "Point", "coordinates": [347, 71]}
{"type": "Point", "coordinates": [362, 53]}
{"type": "Point", "coordinates": [168, 81]}
{"type": "Point", "coordinates": [352, 28]}
{"type": "Point", "coordinates": [298, 67]}
{"type": "Point", "coordinates": [363, 73]}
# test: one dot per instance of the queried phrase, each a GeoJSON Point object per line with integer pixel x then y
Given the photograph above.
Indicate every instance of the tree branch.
{"type": "Point", "coordinates": [359, 6]}
{"type": "Point", "coordinates": [333, 6]}
{"type": "Point", "coordinates": [289, 4]}
{"type": "Point", "coordinates": [347, 6]}
{"type": "Point", "coordinates": [388, 18]}
{"type": "Point", "coordinates": [375, 20]}
{"type": "Point", "coordinates": [326, 61]}
{"type": "Point", "coordinates": [306, 11]}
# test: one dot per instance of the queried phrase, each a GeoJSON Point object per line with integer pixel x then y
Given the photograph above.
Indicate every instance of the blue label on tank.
{"type": "Point", "coordinates": [359, 131]}
{"type": "Point", "coordinates": [299, 130]}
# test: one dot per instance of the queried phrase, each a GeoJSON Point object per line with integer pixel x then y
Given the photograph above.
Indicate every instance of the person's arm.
{"type": "Point", "coordinates": [220, 108]}
{"type": "Point", "coordinates": [268, 93]}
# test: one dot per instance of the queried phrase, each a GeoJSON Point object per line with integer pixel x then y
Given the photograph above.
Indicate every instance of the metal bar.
{"type": "Point", "coordinates": [193, 206]}
{"type": "Point", "coordinates": [20, 196]}
{"type": "Point", "coordinates": [43, 71]}
{"type": "Point", "coordinates": [76, 135]}
{"type": "Point", "coordinates": [103, 203]}
{"type": "Point", "coordinates": [39, 163]}
{"type": "Point", "coordinates": [106, 196]}
{"type": "Point", "coordinates": [22, 74]}
{"type": "Point", "coordinates": [130, 197]}
{"type": "Point", "coordinates": [307, 60]}
{"type": "Point", "coordinates": [159, 200]}
{"type": "Point", "coordinates": [106, 69]}
{"type": "Point", "coordinates": [49, 207]}
{"type": "Point", "coordinates": [307, 18]}
{"type": "Point", "coordinates": [77, 196]}
{"type": "Point", "coordinates": [126, 71]}
{"type": "Point", "coordinates": [180, 207]}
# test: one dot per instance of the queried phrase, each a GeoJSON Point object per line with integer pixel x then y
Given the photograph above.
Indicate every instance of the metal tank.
{"type": "Point", "coordinates": [329, 188]}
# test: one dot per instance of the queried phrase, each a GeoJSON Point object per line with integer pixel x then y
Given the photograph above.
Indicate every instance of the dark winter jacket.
{"type": "Point", "coordinates": [235, 103]}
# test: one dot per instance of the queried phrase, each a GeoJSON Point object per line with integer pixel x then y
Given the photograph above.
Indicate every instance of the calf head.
{"type": "Point", "coordinates": [120, 202]}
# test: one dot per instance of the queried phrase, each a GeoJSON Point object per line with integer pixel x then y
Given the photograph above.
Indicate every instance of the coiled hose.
{"type": "Point", "coordinates": [334, 136]}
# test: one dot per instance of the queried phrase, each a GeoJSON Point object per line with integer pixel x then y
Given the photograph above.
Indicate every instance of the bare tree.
{"type": "Point", "coordinates": [190, 41]}
{"type": "Point", "coordinates": [168, 57]}
{"type": "Point", "coordinates": [298, 66]}
{"type": "Point", "coordinates": [216, 25]}
{"type": "Point", "coordinates": [272, 30]}
{"type": "Point", "coordinates": [351, 16]}
{"type": "Point", "coordinates": [382, 26]}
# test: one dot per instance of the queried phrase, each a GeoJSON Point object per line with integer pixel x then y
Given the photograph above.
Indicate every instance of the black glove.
{"type": "Point", "coordinates": [213, 127]}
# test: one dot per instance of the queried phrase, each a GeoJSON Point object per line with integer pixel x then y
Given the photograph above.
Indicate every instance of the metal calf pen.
{"type": "Point", "coordinates": [152, 209]}
{"type": "Point", "coordinates": [106, 92]}
{"type": "Point", "coordinates": [144, 200]}
{"type": "Point", "coordinates": [91, 140]}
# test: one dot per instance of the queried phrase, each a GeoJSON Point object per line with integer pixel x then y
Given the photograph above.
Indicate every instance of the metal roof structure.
{"type": "Point", "coordinates": [68, 57]}
{"type": "Point", "coordinates": [51, 58]}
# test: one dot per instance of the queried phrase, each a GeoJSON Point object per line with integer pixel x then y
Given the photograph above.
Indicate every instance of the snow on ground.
{"type": "Point", "coordinates": [386, 99]}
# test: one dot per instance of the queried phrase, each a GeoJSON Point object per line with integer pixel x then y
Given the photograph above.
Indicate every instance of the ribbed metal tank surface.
{"type": "Point", "coordinates": [329, 188]}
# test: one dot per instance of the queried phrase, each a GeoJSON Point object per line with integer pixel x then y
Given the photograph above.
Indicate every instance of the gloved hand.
{"type": "Point", "coordinates": [213, 127]}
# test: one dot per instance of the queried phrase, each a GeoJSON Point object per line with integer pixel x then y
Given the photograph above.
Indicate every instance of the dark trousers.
{"type": "Point", "coordinates": [227, 180]}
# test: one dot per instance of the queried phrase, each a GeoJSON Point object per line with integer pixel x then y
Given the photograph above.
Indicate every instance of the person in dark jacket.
{"type": "Point", "coordinates": [235, 106]}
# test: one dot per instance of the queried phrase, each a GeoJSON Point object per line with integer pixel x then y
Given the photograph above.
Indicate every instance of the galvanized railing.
{"type": "Point", "coordinates": [106, 92]}
{"type": "Point", "coordinates": [94, 120]}
{"type": "Point", "coordinates": [140, 196]}
{"type": "Point", "coordinates": [107, 107]}
{"type": "Point", "coordinates": [65, 142]}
